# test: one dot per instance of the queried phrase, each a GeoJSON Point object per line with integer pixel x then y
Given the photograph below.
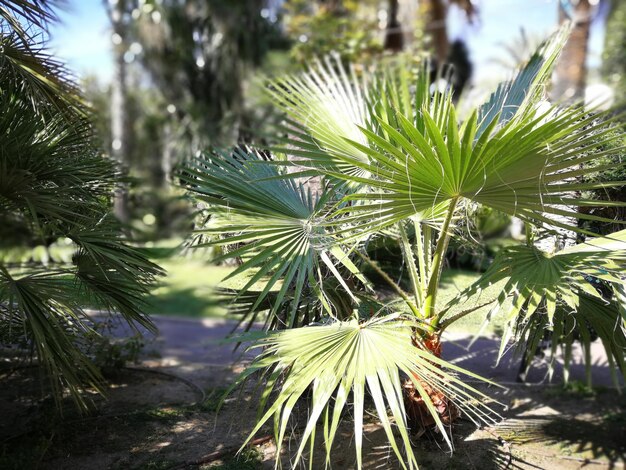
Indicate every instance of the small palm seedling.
{"type": "Point", "coordinates": [392, 161]}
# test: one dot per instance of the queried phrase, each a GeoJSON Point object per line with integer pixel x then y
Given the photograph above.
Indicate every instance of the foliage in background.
{"type": "Point", "coordinates": [347, 28]}
{"type": "Point", "coordinates": [55, 188]}
{"type": "Point", "coordinates": [198, 54]}
{"type": "Point", "coordinates": [614, 73]}
{"type": "Point", "coordinates": [613, 63]}
{"type": "Point", "coordinates": [187, 84]}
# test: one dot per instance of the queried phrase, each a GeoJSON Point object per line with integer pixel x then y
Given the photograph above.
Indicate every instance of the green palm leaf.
{"type": "Point", "coordinates": [51, 318]}
{"type": "Point", "coordinates": [326, 105]}
{"type": "Point", "coordinates": [412, 155]}
{"type": "Point", "coordinates": [345, 358]}
{"type": "Point", "coordinates": [56, 185]}
{"type": "Point", "coordinates": [20, 14]}
{"type": "Point", "coordinates": [510, 96]}
{"type": "Point", "coordinates": [277, 225]}
{"type": "Point", "coordinates": [528, 168]}
{"type": "Point", "coordinates": [586, 319]}
{"type": "Point", "coordinates": [538, 283]}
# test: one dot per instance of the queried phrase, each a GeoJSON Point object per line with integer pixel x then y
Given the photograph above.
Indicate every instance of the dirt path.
{"type": "Point", "coordinates": [191, 348]}
{"type": "Point", "coordinates": [164, 416]}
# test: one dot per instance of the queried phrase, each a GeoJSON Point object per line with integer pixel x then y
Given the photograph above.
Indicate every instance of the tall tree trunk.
{"type": "Point", "coordinates": [394, 38]}
{"type": "Point", "coordinates": [571, 70]}
{"type": "Point", "coordinates": [437, 29]}
{"type": "Point", "coordinates": [119, 102]}
{"type": "Point", "coordinates": [166, 155]}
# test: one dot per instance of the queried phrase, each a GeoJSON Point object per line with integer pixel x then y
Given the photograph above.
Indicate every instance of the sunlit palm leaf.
{"type": "Point", "coordinates": [540, 283]}
{"type": "Point", "coordinates": [527, 168]}
{"type": "Point", "coordinates": [413, 156]}
{"type": "Point", "coordinates": [348, 357]}
{"type": "Point", "coordinates": [326, 105]}
{"type": "Point", "coordinates": [277, 223]}
{"type": "Point", "coordinates": [527, 87]}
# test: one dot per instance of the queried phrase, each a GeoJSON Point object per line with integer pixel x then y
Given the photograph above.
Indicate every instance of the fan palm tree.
{"type": "Point", "coordinates": [395, 162]}
{"type": "Point", "coordinates": [55, 189]}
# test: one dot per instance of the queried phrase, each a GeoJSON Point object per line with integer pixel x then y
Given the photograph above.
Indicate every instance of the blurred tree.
{"type": "Point", "coordinates": [614, 72]}
{"type": "Point", "coordinates": [117, 12]}
{"type": "Point", "coordinates": [197, 54]}
{"type": "Point", "coordinates": [614, 56]}
{"type": "Point", "coordinates": [394, 37]}
{"type": "Point", "coordinates": [182, 70]}
{"type": "Point", "coordinates": [346, 27]}
{"type": "Point", "coordinates": [437, 29]}
{"type": "Point", "coordinates": [571, 69]}
{"type": "Point", "coordinates": [55, 191]}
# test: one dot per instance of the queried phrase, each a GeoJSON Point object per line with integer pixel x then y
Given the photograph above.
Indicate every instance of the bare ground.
{"type": "Point", "coordinates": [162, 415]}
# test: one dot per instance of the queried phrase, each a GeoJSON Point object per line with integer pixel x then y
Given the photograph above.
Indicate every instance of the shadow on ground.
{"type": "Point", "coordinates": [165, 417]}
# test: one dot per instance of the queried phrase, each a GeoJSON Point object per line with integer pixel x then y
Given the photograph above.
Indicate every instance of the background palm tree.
{"type": "Point", "coordinates": [571, 71]}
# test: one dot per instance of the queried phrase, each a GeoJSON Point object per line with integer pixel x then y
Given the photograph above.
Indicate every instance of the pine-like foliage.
{"type": "Point", "coordinates": [55, 188]}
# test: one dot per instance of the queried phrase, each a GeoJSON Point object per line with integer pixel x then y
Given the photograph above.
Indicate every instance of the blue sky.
{"type": "Point", "coordinates": [83, 39]}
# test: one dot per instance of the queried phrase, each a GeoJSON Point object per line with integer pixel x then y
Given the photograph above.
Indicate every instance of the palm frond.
{"type": "Point", "coordinates": [28, 71]}
{"type": "Point", "coordinates": [538, 284]}
{"type": "Point", "coordinates": [527, 87]}
{"type": "Point", "coordinates": [326, 105]}
{"type": "Point", "coordinates": [345, 358]}
{"type": "Point", "coordinates": [277, 224]}
{"type": "Point", "coordinates": [56, 185]}
{"type": "Point", "coordinates": [55, 323]}
{"type": "Point", "coordinates": [117, 276]}
{"type": "Point", "coordinates": [403, 147]}
{"type": "Point", "coordinates": [584, 319]}
{"type": "Point", "coordinates": [21, 15]}
{"type": "Point", "coordinates": [528, 168]}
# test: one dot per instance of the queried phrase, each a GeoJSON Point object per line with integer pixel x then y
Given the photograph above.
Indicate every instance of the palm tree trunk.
{"type": "Point", "coordinates": [571, 70]}
{"type": "Point", "coordinates": [419, 415]}
{"type": "Point", "coordinates": [394, 38]}
{"type": "Point", "coordinates": [166, 155]}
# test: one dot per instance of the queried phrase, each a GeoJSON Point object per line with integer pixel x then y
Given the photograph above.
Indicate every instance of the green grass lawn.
{"type": "Point", "coordinates": [189, 290]}
{"type": "Point", "coordinates": [454, 281]}
{"type": "Point", "coordinates": [189, 287]}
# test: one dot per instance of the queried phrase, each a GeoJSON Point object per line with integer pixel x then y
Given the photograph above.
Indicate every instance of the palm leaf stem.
{"type": "Point", "coordinates": [396, 288]}
{"type": "Point", "coordinates": [437, 264]}
{"type": "Point", "coordinates": [457, 316]}
{"type": "Point", "coordinates": [409, 261]}
{"type": "Point", "coordinates": [422, 251]}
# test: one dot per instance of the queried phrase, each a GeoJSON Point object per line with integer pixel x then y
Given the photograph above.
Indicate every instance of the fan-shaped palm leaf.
{"type": "Point", "coordinates": [538, 283]}
{"type": "Point", "coordinates": [348, 357]}
{"type": "Point", "coordinates": [507, 155]}
{"type": "Point", "coordinates": [278, 224]}
{"type": "Point", "coordinates": [326, 105]}
{"type": "Point", "coordinates": [584, 319]}
{"type": "Point", "coordinates": [527, 87]}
